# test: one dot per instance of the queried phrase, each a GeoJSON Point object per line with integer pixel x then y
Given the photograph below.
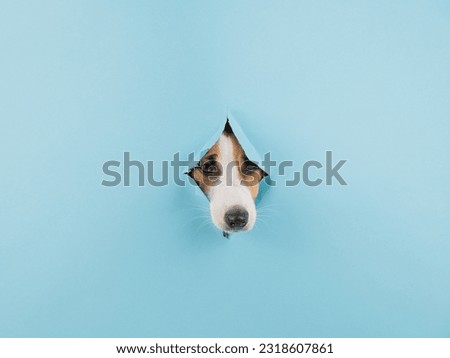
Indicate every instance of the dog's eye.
{"type": "Point", "coordinates": [248, 167]}
{"type": "Point", "coordinates": [210, 168]}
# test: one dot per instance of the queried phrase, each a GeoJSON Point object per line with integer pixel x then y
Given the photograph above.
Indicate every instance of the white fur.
{"type": "Point", "coordinates": [230, 192]}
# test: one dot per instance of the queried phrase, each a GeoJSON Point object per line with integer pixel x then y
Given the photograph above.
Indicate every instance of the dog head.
{"type": "Point", "coordinates": [230, 181]}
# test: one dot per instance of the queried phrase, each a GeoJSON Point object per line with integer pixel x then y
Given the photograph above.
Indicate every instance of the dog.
{"type": "Point", "coordinates": [230, 181]}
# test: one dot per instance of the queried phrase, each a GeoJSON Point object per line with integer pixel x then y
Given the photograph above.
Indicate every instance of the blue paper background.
{"type": "Point", "coordinates": [82, 82]}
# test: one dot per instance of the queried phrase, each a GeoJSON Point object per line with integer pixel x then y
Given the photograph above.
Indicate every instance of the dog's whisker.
{"type": "Point", "coordinates": [263, 222]}
{"type": "Point", "coordinates": [267, 209]}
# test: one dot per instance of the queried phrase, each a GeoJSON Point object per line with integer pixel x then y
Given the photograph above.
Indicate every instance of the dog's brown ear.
{"type": "Point", "coordinates": [190, 173]}
{"type": "Point", "coordinates": [263, 173]}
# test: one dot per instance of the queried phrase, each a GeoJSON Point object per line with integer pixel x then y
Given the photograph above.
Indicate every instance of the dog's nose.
{"type": "Point", "coordinates": [236, 218]}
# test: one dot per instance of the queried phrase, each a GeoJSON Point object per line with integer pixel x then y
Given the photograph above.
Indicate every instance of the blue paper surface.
{"type": "Point", "coordinates": [82, 82]}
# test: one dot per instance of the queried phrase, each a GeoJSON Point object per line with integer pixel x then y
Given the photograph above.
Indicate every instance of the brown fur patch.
{"type": "Point", "coordinates": [249, 173]}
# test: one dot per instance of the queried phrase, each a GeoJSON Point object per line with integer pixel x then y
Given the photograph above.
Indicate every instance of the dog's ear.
{"type": "Point", "coordinates": [190, 173]}
{"type": "Point", "coordinates": [253, 170]}
{"type": "Point", "coordinates": [263, 173]}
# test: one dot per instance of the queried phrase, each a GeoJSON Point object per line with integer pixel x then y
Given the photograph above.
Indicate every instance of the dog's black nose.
{"type": "Point", "coordinates": [236, 218]}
